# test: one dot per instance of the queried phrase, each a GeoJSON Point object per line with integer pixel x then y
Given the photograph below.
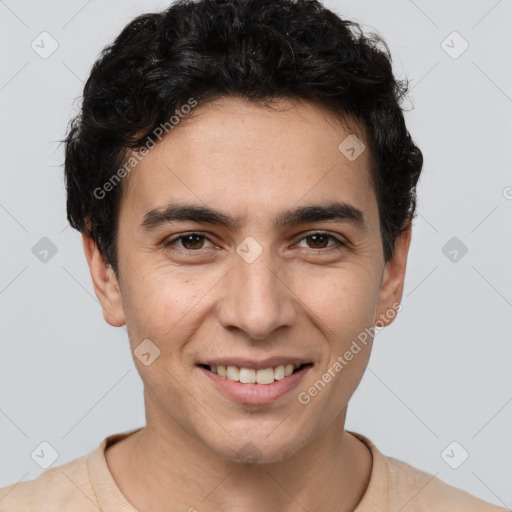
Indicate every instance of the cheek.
{"type": "Point", "coordinates": [160, 304]}
{"type": "Point", "coordinates": [163, 307]}
{"type": "Point", "coordinates": [346, 308]}
{"type": "Point", "coordinates": [344, 302]}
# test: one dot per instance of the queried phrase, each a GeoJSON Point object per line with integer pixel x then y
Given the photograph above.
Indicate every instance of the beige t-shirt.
{"type": "Point", "coordinates": [85, 484]}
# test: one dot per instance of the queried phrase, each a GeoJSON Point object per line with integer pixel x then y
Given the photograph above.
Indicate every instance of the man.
{"type": "Point", "coordinates": [244, 184]}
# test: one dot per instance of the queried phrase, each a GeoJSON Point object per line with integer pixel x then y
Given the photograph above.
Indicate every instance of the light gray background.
{"type": "Point", "coordinates": [440, 373]}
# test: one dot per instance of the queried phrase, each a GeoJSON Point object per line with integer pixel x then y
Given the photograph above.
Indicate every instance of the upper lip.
{"type": "Point", "coordinates": [257, 364]}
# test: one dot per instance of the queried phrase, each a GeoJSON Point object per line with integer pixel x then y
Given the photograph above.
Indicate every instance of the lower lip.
{"type": "Point", "coordinates": [256, 394]}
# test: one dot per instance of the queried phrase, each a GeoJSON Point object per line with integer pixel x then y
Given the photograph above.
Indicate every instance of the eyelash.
{"type": "Point", "coordinates": [340, 244]}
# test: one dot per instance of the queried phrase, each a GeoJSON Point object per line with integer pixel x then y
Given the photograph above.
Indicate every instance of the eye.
{"type": "Point", "coordinates": [189, 241]}
{"type": "Point", "coordinates": [320, 240]}
{"type": "Point", "coordinates": [192, 242]}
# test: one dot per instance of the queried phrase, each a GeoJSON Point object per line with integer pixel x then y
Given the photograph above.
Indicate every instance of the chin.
{"type": "Point", "coordinates": [258, 449]}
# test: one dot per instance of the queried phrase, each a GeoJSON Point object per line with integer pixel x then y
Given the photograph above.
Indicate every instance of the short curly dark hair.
{"type": "Point", "coordinates": [256, 49]}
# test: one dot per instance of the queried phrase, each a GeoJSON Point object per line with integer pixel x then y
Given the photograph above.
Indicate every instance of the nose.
{"type": "Point", "coordinates": [256, 299]}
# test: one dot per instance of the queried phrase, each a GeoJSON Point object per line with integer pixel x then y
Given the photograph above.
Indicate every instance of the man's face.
{"type": "Point", "coordinates": [272, 289]}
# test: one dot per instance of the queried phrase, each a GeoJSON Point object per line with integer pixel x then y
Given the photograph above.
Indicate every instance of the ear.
{"type": "Point", "coordinates": [105, 283]}
{"type": "Point", "coordinates": [392, 285]}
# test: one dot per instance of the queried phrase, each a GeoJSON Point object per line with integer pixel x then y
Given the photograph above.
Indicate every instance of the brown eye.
{"type": "Point", "coordinates": [192, 241]}
{"type": "Point", "coordinates": [189, 241]}
{"type": "Point", "coordinates": [320, 240]}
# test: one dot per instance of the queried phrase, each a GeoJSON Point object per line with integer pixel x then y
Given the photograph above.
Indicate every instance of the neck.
{"type": "Point", "coordinates": [162, 464]}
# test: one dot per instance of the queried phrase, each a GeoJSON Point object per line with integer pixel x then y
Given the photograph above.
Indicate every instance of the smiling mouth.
{"type": "Point", "coordinates": [252, 376]}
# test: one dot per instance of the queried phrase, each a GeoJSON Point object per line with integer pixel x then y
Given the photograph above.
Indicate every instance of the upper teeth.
{"type": "Point", "coordinates": [252, 376]}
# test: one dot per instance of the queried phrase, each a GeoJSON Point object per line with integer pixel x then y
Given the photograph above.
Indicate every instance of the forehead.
{"type": "Point", "coordinates": [249, 158]}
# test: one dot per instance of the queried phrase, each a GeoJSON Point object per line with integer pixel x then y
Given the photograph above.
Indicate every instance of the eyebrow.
{"type": "Point", "coordinates": [338, 211]}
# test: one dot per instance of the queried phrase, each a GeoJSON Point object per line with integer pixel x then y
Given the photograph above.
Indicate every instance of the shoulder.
{"type": "Point", "coordinates": [64, 488]}
{"type": "Point", "coordinates": [425, 492]}
{"type": "Point", "coordinates": [395, 485]}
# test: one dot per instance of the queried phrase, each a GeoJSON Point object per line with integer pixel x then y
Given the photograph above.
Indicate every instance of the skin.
{"type": "Point", "coordinates": [298, 298]}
